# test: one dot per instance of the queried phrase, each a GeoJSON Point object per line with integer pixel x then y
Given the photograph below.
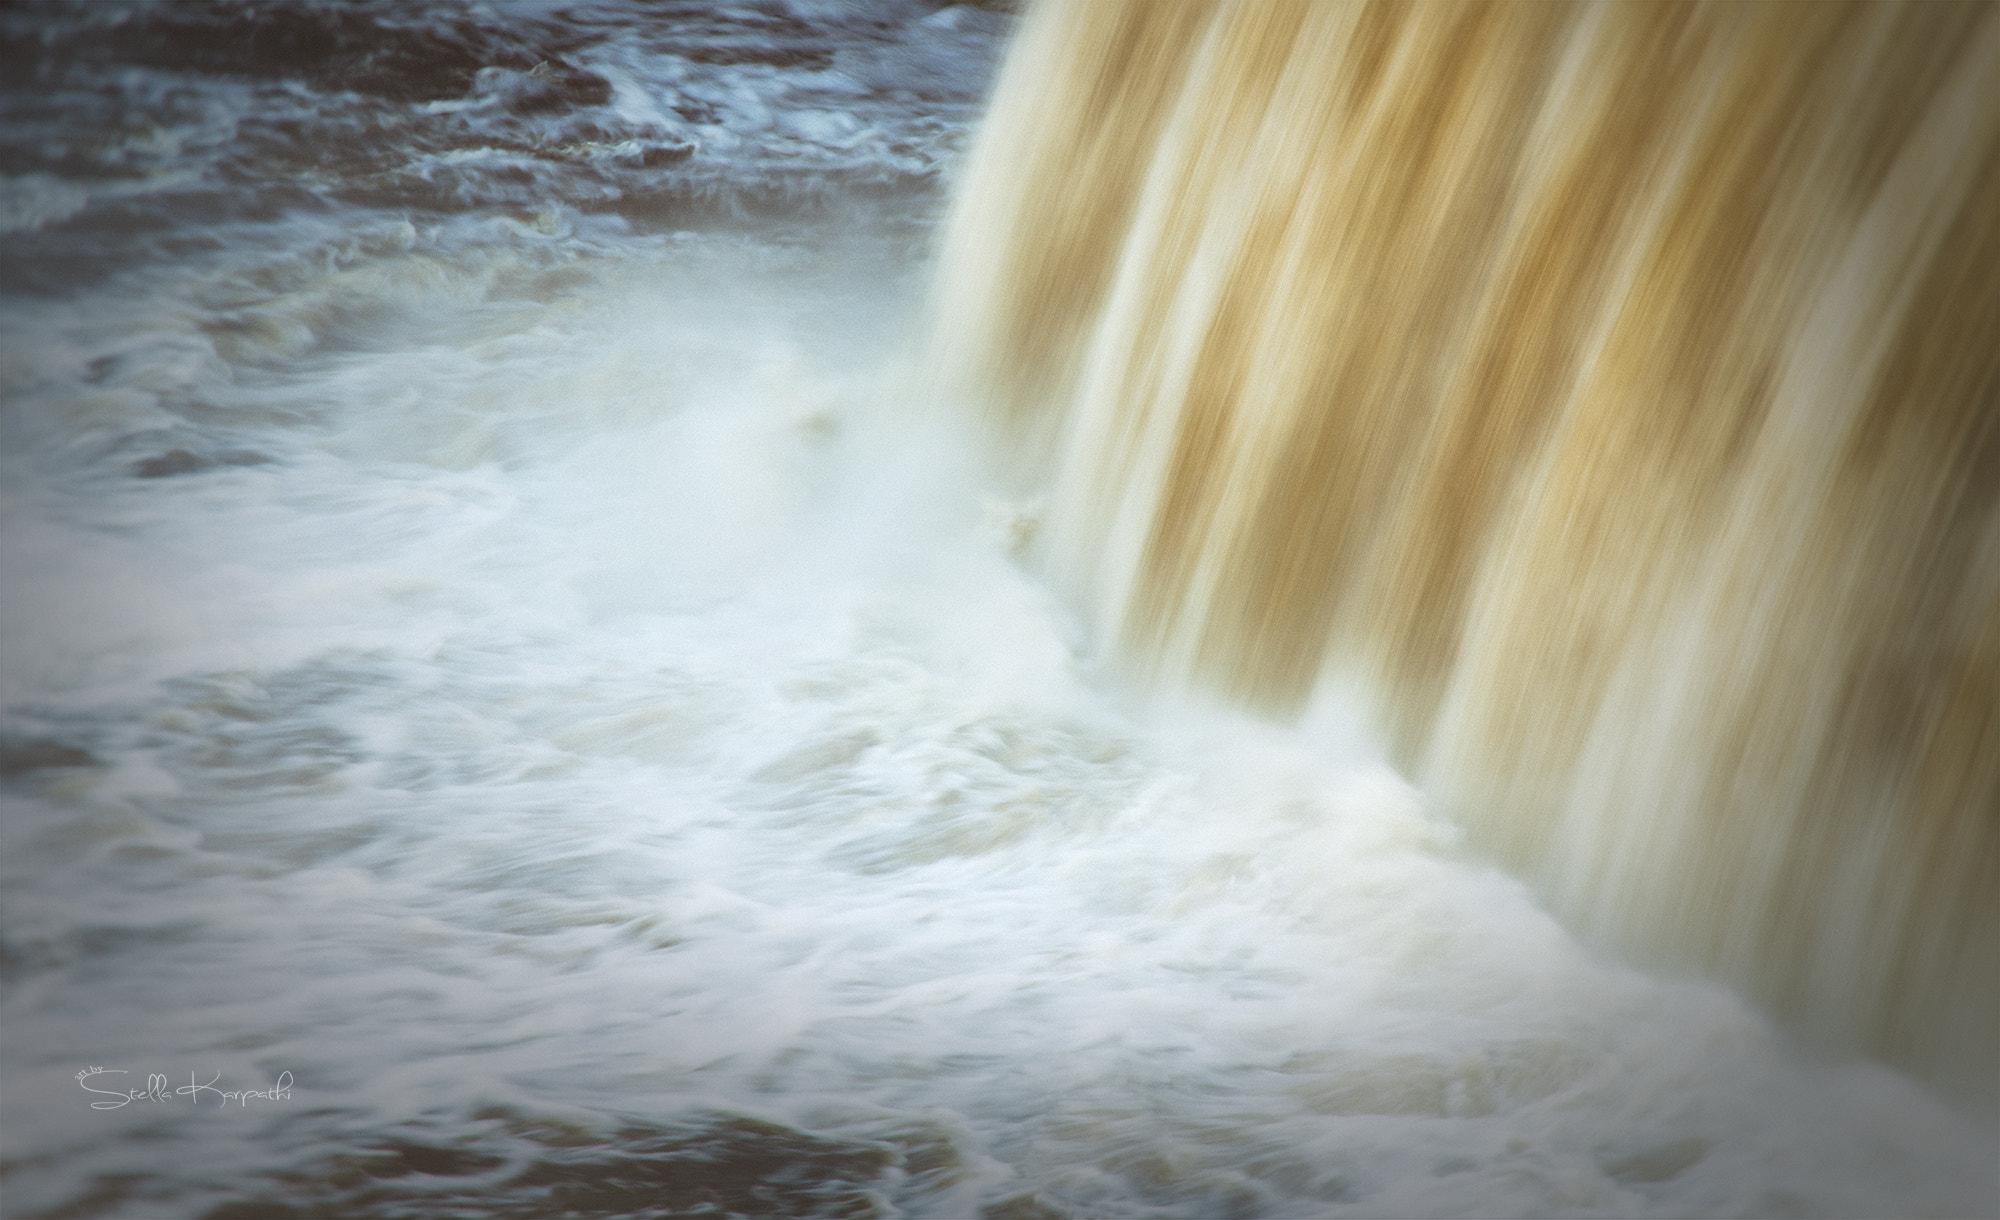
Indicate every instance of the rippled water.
{"type": "Point", "coordinates": [495, 663]}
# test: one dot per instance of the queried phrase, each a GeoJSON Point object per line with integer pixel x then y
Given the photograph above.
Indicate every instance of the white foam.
{"type": "Point", "coordinates": [602, 700]}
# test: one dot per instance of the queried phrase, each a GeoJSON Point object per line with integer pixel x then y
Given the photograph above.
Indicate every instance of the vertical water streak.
{"type": "Point", "coordinates": [1615, 390]}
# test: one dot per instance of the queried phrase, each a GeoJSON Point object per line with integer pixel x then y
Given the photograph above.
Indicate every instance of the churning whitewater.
{"type": "Point", "coordinates": [513, 706]}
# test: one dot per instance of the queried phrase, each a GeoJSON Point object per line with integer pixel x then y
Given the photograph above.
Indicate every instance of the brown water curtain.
{"type": "Point", "coordinates": [1611, 389]}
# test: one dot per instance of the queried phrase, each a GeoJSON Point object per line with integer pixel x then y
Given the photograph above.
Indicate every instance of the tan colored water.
{"type": "Point", "coordinates": [1614, 390]}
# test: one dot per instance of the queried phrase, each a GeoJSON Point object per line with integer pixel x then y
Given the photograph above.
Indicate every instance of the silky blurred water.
{"type": "Point", "coordinates": [499, 663]}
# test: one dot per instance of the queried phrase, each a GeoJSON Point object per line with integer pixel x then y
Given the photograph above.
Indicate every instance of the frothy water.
{"type": "Point", "coordinates": [520, 688]}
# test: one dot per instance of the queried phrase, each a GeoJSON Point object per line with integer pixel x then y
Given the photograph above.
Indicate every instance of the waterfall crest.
{"type": "Point", "coordinates": [1613, 390]}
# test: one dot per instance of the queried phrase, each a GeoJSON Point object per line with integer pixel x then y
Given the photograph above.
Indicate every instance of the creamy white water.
{"type": "Point", "coordinates": [521, 687]}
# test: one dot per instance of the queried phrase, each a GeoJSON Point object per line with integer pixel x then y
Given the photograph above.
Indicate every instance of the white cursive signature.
{"type": "Point", "coordinates": [156, 1089]}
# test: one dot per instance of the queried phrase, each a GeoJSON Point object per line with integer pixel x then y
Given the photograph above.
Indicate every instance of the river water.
{"type": "Point", "coordinates": [514, 708]}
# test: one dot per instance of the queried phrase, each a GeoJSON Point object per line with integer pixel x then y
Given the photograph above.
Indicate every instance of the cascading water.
{"type": "Point", "coordinates": [508, 710]}
{"type": "Point", "coordinates": [1612, 391]}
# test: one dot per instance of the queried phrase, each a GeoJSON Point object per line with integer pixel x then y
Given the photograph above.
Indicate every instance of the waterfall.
{"type": "Point", "coordinates": [1612, 392]}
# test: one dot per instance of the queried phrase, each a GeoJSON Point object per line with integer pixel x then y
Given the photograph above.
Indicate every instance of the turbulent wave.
{"type": "Point", "coordinates": [130, 123]}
